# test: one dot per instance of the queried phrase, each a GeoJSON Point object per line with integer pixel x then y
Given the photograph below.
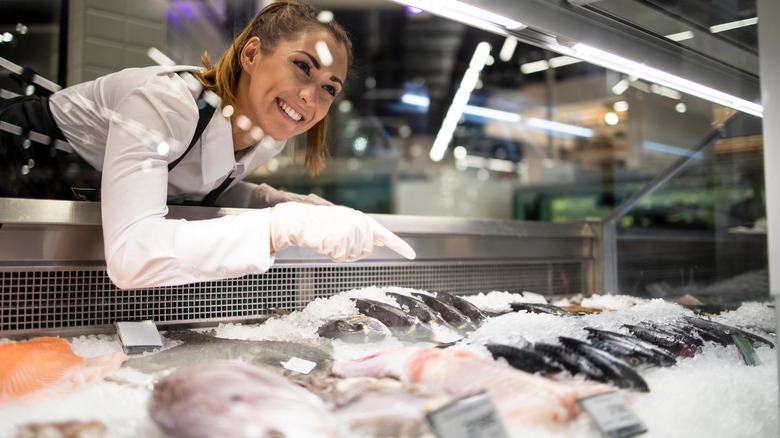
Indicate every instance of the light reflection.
{"type": "Point", "coordinates": [324, 53]}
{"type": "Point", "coordinates": [325, 16]}
{"type": "Point", "coordinates": [163, 148]}
{"type": "Point", "coordinates": [227, 111]}
{"type": "Point", "coordinates": [243, 122]}
{"type": "Point", "coordinates": [620, 106]}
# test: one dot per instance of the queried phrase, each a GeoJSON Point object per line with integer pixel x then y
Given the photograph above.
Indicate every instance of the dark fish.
{"type": "Point", "coordinates": [615, 370]}
{"type": "Point", "coordinates": [474, 313]}
{"type": "Point", "coordinates": [417, 308]}
{"type": "Point", "coordinates": [669, 341]}
{"type": "Point", "coordinates": [453, 316]}
{"type": "Point", "coordinates": [685, 332]}
{"type": "Point", "coordinates": [632, 350]}
{"type": "Point", "coordinates": [724, 331]}
{"type": "Point", "coordinates": [200, 347]}
{"type": "Point", "coordinates": [355, 329]}
{"type": "Point", "coordinates": [401, 324]}
{"type": "Point", "coordinates": [526, 359]}
{"type": "Point", "coordinates": [237, 400]}
{"type": "Point", "coordinates": [540, 308]}
{"type": "Point", "coordinates": [573, 361]}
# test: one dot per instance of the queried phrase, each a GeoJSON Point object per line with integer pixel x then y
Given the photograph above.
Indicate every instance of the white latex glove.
{"type": "Point", "coordinates": [341, 233]}
{"type": "Point", "coordinates": [264, 196]}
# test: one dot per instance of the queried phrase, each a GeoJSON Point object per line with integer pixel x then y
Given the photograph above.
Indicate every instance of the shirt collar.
{"type": "Point", "coordinates": [218, 160]}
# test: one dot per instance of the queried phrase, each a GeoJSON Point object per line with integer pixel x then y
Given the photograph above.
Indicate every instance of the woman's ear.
{"type": "Point", "coordinates": [250, 54]}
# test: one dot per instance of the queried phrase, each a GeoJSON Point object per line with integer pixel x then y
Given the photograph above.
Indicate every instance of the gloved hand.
{"type": "Point", "coordinates": [343, 234]}
{"type": "Point", "coordinates": [264, 196]}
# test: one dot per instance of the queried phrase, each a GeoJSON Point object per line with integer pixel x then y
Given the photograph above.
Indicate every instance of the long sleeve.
{"type": "Point", "coordinates": [143, 249]}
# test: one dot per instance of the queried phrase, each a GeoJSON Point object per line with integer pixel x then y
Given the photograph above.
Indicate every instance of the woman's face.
{"type": "Point", "coordinates": [287, 92]}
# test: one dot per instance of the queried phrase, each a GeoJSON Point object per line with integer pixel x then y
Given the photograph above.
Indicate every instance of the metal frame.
{"type": "Point", "coordinates": [53, 279]}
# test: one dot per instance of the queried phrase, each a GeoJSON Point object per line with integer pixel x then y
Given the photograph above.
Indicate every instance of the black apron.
{"type": "Point", "coordinates": [33, 166]}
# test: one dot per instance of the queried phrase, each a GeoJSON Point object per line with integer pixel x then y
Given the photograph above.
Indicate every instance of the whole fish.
{"type": "Point", "coordinates": [403, 325]}
{"type": "Point", "coordinates": [354, 329]}
{"type": "Point", "coordinates": [548, 309]}
{"type": "Point", "coordinates": [237, 400]}
{"type": "Point", "coordinates": [474, 313]}
{"type": "Point", "coordinates": [684, 331]}
{"type": "Point", "coordinates": [615, 370]}
{"type": "Point", "coordinates": [669, 341]}
{"type": "Point", "coordinates": [462, 324]}
{"type": "Point", "coordinates": [526, 359]}
{"type": "Point", "coordinates": [520, 398]}
{"type": "Point", "coordinates": [572, 361]}
{"type": "Point", "coordinates": [632, 350]}
{"type": "Point", "coordinates": [724, 331]}
{"type": "Point", "coordinates": [417, 308]}
{"type": "Point", "coordinates": [201, 347]}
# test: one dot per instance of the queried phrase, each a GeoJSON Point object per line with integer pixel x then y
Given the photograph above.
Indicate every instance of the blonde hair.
{"type": "Point", "coordinates": [279, 21]}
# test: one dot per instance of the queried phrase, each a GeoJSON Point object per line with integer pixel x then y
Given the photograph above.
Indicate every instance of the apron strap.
{"type": "Point", "coordinates": [205, 111]}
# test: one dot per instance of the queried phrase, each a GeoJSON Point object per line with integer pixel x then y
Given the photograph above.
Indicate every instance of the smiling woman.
{"type": "Point", "coordinates": [157, 138]}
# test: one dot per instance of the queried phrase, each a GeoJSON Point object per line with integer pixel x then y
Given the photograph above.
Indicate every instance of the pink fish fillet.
{"type": "Point", "coordinates": [45, 368]}
{"type": "Point", "coordinates": [519, 397]}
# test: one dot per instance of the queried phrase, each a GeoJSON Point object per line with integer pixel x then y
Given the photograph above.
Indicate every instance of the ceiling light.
{"type": "Point", "coordinates": [460, 101]}
{"type": "Point", "coordinates": [627, 66]}
{"type": "Point", "coordinates": [466, 13]}
{"type": "Point", "coordinates": [733, 25]}
{"type": "Point", "coordinates": [681, 36]}
{"type": "Point", "coordinates": [508, 49]}
{"type": "Point", "coordinates": [558, 127]}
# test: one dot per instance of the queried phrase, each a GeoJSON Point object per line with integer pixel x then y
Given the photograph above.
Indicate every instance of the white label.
{"type": "Point", "coordinates": [470, 417]}
{"type": "Point", "coordinates": [138, 336]}
{"type": "Point", "coordinates": [299, 365]}
{"type": "Point", "coordinates": [612, 415]}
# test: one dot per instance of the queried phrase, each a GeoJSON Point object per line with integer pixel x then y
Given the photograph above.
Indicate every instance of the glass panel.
{"type": "Point", "coordinates": [703, 232]}
{"type": "Point", "coordinates": [30, 36]}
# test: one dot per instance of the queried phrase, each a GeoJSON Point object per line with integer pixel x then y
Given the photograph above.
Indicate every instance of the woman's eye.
{"type": "Point", "coordinates": [303, 66]}
{"type": "Point", "coordinates": [330, 89]}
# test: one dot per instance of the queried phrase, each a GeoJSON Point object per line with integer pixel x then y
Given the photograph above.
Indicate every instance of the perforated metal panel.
{"type": "Point", "coordinates": [35, 299]}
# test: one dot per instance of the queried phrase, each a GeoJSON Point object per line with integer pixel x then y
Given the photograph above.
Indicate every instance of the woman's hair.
{"type": "Point", "coordinates": [280, 21]}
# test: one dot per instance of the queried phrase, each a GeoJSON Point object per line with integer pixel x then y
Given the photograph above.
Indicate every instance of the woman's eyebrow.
{"type": "Point", "coordinates": [317, 66]}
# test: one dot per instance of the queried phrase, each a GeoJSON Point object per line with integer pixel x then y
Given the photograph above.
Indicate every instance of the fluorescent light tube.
{"type": "Point", "coordinates": [653, 75]}
{"type": "Point", "coordinates": [733, 25]}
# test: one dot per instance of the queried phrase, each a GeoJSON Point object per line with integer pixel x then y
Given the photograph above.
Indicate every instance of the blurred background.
{"type": "Point", "coordinates": [545, 136]}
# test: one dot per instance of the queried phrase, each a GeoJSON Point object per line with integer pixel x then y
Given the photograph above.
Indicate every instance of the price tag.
{"type": "Point", "coordinates": [469, 417]}
{"type": "Point", "coordinates": [138, 337]}
{"type": "Point", "coordinates": [612, 415]}
{"type": "Point", "coordinates": [747, 350]}
{"type": "Point", "coordinates": [299, 365]}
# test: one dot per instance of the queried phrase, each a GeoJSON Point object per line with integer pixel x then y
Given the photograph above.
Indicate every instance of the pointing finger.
{"type": "Point", "coordinates": [386, 237]}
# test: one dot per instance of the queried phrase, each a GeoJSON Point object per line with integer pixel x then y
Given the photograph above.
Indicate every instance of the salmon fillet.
{"type": "Point", "coordinates": [46, 367]}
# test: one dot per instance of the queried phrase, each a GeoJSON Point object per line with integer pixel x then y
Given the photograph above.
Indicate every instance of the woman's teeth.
{"type": "Point", "coordinates": [290, 112]}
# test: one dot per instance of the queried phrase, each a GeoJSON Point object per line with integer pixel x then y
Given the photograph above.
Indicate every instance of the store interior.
{"type": "Point", "coordinates": [544, 136]}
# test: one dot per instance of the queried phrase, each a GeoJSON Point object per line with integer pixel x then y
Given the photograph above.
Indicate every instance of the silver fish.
{"type": "Point", "coordinates": [200, 347]}
{"type": "Point", "coordinates": [355, 329]}
{"type": "Point", "coordinates": [237, 400]}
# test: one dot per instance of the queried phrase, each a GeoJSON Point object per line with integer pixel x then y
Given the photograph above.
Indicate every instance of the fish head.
{"type": "Point", "coordinates": [225, 398]}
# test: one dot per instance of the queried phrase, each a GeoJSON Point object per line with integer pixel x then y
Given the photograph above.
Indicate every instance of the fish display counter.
{"type": "Point", "coordinates": [384, 361]}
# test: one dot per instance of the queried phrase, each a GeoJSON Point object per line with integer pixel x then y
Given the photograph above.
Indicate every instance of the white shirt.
{"type": "Point", "coordinates": [130, 125]}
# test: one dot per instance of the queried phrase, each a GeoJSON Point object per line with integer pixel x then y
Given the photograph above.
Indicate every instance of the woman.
{"type": "Point", "coordinates": [139, 127]}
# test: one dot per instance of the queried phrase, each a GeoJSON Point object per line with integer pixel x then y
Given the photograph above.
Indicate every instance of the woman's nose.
{"type": "Point", "coordinates": [308, 93]}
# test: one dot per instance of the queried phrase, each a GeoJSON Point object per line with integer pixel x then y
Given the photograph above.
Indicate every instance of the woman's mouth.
{"type": "Point", "coordinates": [290, 112]}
